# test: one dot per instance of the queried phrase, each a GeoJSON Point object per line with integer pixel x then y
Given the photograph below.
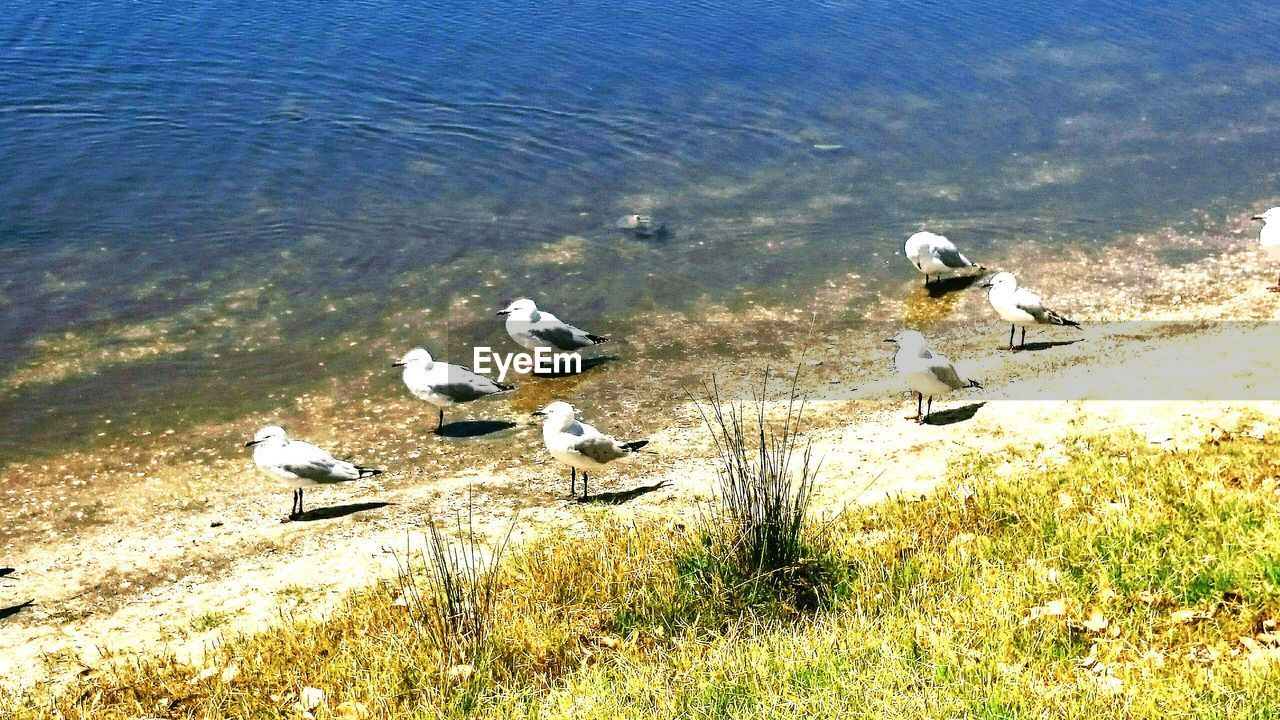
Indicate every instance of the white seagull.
{"type": "Point", "coordinates": [301, 463]}
{"type": "Point", "coordinates": [1269, 238]}
{"type": "Point", "coordinates": [442, 384]}
{"type": "Point", "coordinates": [532, 328]}
{"type": "Point", "coordinates": [1020, 307]}
{"type": "Point", "coordinates": [927, 373]}
{"type": "Point", "coordinates": [578, 444]}
{"type": "Point", "coordinates": [935, 255]}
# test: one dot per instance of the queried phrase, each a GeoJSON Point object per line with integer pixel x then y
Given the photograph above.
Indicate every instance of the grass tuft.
{"type": "Point", "coordinates": [757, 543]}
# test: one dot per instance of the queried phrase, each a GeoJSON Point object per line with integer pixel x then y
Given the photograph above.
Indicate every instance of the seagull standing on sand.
{"type": "Point", "coordinates": [1020, 307]}
{"type": "Point", "coordinates": [442, 384]}
{"type": "Point", "coordinates": [1269, 238]}
{"type": "Point", "coordinates": [301, 463]}
{"type": "Point", "coordinates": [532, 328]}
{"type": "Point", "coordinates": [578, 444]}
{"type": "Point", "coordinates": [935, 255]}
{"type": "Point", "coordinates": [927, 373]}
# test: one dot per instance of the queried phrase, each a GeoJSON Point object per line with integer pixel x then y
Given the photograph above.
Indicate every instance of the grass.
{"type": "Point", "coordinates": [1125, 580]}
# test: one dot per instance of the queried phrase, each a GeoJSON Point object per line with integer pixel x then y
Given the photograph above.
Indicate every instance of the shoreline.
{"type": "Point", "coordinates": [148, 570]}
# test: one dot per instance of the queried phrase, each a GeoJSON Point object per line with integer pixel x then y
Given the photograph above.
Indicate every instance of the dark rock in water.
{"type": "Point", "coordinates": [640, 225]}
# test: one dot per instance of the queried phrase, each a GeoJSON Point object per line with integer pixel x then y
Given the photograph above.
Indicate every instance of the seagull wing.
{"type": "Point", "coordinates": [949, 255]}
{"type": "Point", "coordinates": [308, 461]}
{"type": "Point", "coordinates": [1031, 304]}
{"type": "Point", "coordinates": [463, 385]}
{"type": "Point", "coordinates": [596, 446]}
{"type": "Point", "coordinates": [940, 367]}
{"type": "Point", "coordinates": [562, 336]}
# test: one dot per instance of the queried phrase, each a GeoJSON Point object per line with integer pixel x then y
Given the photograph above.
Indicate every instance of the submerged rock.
{"type": "Point", "coordinates": [641, 225]}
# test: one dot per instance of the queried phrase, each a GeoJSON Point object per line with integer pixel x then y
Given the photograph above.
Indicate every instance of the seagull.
{"type": "Point", "coordinates": [301, 463]}
{"type": "Point", "coordinates": [927, 373]}
{"type": "Point", "coordinates": [935, 255]}
{"type": "Point", "coordinates": [1020, 307]}
{"type": "Point", "coordinates": [1269, 237]}
{"type": "Point", "coordinates": [442, 384]}
{"type": "Point", "coordinates": [532, 328]}
{"type": "Point", "coordinates": [578, 444]}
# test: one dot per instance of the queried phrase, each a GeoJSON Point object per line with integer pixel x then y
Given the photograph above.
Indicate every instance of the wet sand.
{"type": "Point", "coordinates": [168, 541]}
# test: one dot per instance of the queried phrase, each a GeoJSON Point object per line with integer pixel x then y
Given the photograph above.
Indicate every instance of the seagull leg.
{"type": "Point", "coordinates": [584, 486]}
{"type": "Point", "coordinates": [440, 420]}
{"type": "Point", "coordinates": [299, 502]}
{"type": "Point", "coordinates": [928, 410]}
{"type": "Point", "coordinates": [1012, 329]}
{"type": "Point", "coordinates": [573, 482]}
{"type": "Point", "coordinates": [1023, 342]}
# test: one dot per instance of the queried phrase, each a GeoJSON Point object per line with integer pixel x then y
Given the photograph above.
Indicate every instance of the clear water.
{"type": "Point", "coordinates": [208, 207]}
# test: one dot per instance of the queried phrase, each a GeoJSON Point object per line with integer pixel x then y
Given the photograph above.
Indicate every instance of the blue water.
{"type": "Point", "coordinates": [345, 162]}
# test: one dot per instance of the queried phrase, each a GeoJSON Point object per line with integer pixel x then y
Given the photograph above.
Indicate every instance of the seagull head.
{"type": "Point", "coordinates": [1268, 216]}
{"type": "Point", "coordinates": [519, 307]}
{"type": "Point", "coordinates": [909, 339]}
{"type": "Point", "coordinates": [558, 411]}
{"type": "Point", "coordinates": [268, 433]}
{"type": "Point", "coordinates": [415, 357]}
{"type": "Point", "coordinates": [1002, 280]}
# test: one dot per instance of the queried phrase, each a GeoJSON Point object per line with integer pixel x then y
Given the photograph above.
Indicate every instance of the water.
{"type": "Point", "coordinates": [208, 209]}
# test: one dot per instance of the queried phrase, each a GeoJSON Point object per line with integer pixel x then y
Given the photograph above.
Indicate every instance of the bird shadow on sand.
{"type": "Point", "coordinates": [954, 415]}
{"type": "Point", "coordinates": [938, 288]}
{"type": "Point", "coordinates": [621, 496]}
{"type": "Point", "coordinates": [473, 428]}
{"type": "Point", "coordinates": [587, 364]}
{"type": "Point", "coordinates": [1045, 345]}
{"type": "Point", "coordinates": [333, 512]}
{"type": "Point", "coordinates": [12, 610]}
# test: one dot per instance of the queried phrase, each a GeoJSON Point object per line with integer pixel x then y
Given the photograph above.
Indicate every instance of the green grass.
{"type": "Point", "coordinates": [1125, 581]}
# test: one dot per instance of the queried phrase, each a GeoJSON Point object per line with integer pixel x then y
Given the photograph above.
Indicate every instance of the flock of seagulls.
{"type": "Point", "coordinates": [580, 446]}
{"type": "Point", "coordinates": [441, 384]}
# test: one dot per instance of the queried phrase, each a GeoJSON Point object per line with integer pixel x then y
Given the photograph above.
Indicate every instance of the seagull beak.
{"type": "Point", "coordinates": [251, 443]}
{"type": "Point", "coordinates": [397, 364]}
{"type": "Point", "coordinates": [504, 312]}
{"type": "Point", "coordinates": [986, 284]}
{"type": "Point", "coordinates": [1257, 217]}
{"type": "Point", "coordinates": [889, 340]}
{"type": "Point", "coordinates": [538, 413]}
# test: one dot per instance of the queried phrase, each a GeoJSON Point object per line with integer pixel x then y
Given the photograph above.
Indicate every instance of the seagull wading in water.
{"type": "Point", "coordinates": [935, 255]}
{"type": "Point", "coordinates": [1020, 307]}
{"type": "Point", "coordinates": [1269, 238]}
{"type": "Point", "coordinates": [927, 373]}
{"type": "Point", "coordinates": [578, 444]}
{"type": "Point", "coordinates": [532, 328]}
{"type": "Point", "coordinates": [301, 463]}
{"type": "Point", "coordinates": [442, 384]}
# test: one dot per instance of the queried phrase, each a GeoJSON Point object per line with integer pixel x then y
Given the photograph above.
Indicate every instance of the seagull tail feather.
{"type": "Point", "coordinates": [597, 339]}
{"type": "Point", "coordinates": [974, 384]}
{"type": "Point", "coordinates": [634, 446]}
{"type": "Point", "coordinates": [1057, 319]}
{"type": "Point", "coordinates": [503, 387]}
{"type": "Point", "coordinates": [365, 472]}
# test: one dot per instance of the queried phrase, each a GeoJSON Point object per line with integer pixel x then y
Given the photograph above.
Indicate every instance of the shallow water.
{"type": "Point", "coordinates": [208, 210]}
